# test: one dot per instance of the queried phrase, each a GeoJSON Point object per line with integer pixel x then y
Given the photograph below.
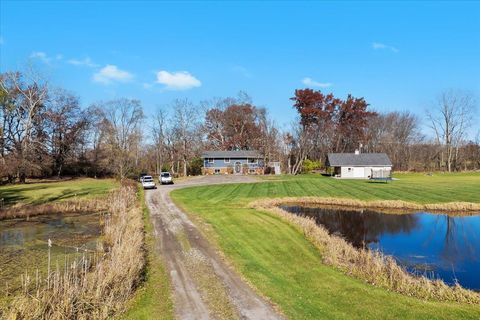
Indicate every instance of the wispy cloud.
{"type": "Point", "coordinates": [242, 71]}
{"type": "Point", "coordinates": [312, 83]}
{"type": "Point", "coordinates": [42, 56]}
{"type": "Point", "coordinates": [87, 62]}
{"type": "Point", "coordinates": [383, 46]}
{"type": "Point", "coordinates": [180, 80]}
{"type": "Point", "coordinates": [111, 73]}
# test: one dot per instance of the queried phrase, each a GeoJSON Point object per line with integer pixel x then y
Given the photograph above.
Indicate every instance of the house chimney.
{"type": "Point", "coordinates": [357, 151]}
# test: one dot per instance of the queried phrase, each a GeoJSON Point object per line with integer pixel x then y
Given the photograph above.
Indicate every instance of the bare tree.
{"type": "Point", "coordinates": [185, 125]}
{"type": "Point", "coordinates": [159, 134]}
{"type": "Point", "coordinates": [450, 118]}
{"type": "Point", "coordinates": [123, 117]}
{"type": "Point", "coordinates": [66, 123]}
{"type": "Point", "coordinates": [24, 101]}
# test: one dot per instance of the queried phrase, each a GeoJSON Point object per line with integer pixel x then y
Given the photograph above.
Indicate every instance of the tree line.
{"type": "Point", "coordinates": [45, 132]}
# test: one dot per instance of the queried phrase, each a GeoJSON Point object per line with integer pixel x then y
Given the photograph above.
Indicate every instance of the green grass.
{"type": "Point", "coordinates": [285, 267]}
{"type": "Point", "coordinates": [152, 300]}
{"type": "Point", "coordinates": [43, 192]}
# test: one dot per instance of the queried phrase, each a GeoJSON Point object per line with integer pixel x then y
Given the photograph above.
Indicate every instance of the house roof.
{"type": "Point", "coordinates": [232, 154]}
{"type": "Point", "coordinates": [362, 159]}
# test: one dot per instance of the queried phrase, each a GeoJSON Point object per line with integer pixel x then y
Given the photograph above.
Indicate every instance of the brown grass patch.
{"type": "Point", "coordinates": [70, 206]}
{"type": "Point", "coordinates": [393, 206]}
{"type": "Point", "coordinates": [95, 286]}
{"type": "Point", "coordinates": [371, 266]}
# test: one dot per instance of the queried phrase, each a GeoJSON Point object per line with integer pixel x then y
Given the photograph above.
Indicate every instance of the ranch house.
{"type": "Point", "coordinates": [233, 162]}
{"type": "Point", "coordinates": [359, 165]}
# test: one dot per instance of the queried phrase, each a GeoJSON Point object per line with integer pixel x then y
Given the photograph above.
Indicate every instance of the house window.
{"type": "Point", "coordinates": [226, 160]}
{"type": "Point", "coordinates": [217, 171]}
{"type": "Point", "coordinates": [252, 160]}
{"type": "Point", "coordinates": [210, 160]}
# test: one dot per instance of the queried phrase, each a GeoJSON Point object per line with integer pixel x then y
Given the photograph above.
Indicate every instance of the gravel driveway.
{"type": "Point", "coordinates": [204, 287]}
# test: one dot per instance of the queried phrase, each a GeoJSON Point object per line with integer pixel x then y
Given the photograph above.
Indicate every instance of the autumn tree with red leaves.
{"type": "Point", "coordinates": [236, 127]}
{"type": "Point", "coordinates": [327, 124]}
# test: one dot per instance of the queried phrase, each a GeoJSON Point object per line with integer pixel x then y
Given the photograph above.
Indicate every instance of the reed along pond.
{"type": "Point", "coordinates": [438, 246]}
{"type": "Point", "coordinates": [24, 244]}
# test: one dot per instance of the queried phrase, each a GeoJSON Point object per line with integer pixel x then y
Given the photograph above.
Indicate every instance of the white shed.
{"type": "Point", "coordinates": [359, 165]}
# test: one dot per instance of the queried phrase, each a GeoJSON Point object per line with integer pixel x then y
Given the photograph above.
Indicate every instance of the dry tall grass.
{"type": "Point", "coordinates": [454, 208]}
{"type": "Point", "coordinates": [70, 206]}
{"type": "Point", "coordinates": [95, 286]}
{"type": "Point", "coordinates": [371, 266]}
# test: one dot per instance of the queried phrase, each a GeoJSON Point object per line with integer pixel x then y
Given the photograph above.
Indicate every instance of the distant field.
{"type": "Point", "coordinates": [43, 192]}
{"type": "Point", "coordinates": [277, 259]}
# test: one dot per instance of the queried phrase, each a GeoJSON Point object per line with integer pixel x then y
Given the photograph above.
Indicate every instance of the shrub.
{"type": "Point", "coordinates": [310, 165]}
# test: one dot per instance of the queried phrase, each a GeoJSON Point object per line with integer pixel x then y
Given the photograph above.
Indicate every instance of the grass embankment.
{"type": "Point", "coordinates": [283, 265]}
{"type": "Point", "coordinates": [153, 299]}
{"type": "Point", "coordinates": [96, 286]}
{"type": "Point", "coordinates": [75, 195]}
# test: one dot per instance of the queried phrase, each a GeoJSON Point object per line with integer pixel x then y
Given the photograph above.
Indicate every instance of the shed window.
{"type": "Point", "coordinates": [210, 160]}
{"type": "Point", "coordinates": [227, 160]}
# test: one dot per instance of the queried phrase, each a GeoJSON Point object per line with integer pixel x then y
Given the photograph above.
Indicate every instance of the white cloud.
{"type": "Point", "coordinates": [111, 73]}
{"type": "Point", "coordinates": [242, 70]}
{"type": "Point", "coordinates": [382, 46]}
{"type": "Point", "coordinates": [83, 62]}
{"type": "Point", "coordinates": [42, 56]}
{"type": "Point", "coordinates": [312, 83]}
{"type": "Point", "coordinates": [181, 80]}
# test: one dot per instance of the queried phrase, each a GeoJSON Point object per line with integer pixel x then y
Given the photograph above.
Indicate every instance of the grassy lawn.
{"type": "Point", "coordinates": [152, 300]}
{"type": "Point", "coordinates": [43, 192]}
{"type": "Point", "coordinates": [285, 267]}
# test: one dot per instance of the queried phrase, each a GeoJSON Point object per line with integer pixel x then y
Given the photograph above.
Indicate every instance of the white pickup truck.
{"type": "Point", "coordinates": [148, 183]}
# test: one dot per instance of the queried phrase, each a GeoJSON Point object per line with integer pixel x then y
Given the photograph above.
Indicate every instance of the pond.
{"type": "Point", "coordinates": [434, 245]}
{"type": "Point", "coordinates": [24, 244]}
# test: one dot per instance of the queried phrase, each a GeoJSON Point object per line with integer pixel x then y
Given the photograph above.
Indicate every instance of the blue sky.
{"type": "Point", "coordinates": [398, 55]}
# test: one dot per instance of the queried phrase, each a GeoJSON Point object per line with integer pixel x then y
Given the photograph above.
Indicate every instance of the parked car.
{"type": "Point", "coordinates": [165, 178]}
{"type": "Point", "coordinates": [140, 178]}
{"type": "Point", "coordinates": [148, 183]}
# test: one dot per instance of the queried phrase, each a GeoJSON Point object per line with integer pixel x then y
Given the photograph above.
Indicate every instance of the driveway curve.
{"type": "Point", "coordinates": [204, 287]}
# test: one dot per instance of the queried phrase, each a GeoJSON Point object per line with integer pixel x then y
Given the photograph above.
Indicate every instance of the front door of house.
{"type": "Point", "coordinates": [238, 167]}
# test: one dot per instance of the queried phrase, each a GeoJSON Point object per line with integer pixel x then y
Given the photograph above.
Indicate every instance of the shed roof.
{"type": "Point", "coordinates": [362, 159]}
{"type": "Point", "coordinates": [232, 154]}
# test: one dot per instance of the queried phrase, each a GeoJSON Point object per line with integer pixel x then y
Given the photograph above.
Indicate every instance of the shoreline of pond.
{"type": "Point", "coordinates": [386, 206]}
{"type": "Point", "coordinates": [372, 267]}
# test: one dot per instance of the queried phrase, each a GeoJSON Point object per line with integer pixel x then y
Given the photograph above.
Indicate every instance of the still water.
{"type": "Point", "coordinates": [435, 245]}
{"type": "Point", "coordinates": [24, 243]}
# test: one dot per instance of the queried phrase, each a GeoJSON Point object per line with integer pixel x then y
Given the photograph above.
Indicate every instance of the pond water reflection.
{"type": "Point", "coordinates": [434, 245]}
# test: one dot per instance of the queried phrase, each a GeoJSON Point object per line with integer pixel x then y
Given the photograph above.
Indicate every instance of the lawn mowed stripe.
{"type": "Point", "coordinates": [277, 259]}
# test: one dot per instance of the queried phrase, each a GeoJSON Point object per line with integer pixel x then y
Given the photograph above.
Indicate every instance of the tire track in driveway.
{"type": "Point", "coordinates": [204, 287]}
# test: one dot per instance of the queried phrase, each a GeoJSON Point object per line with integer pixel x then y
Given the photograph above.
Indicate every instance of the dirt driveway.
{"type": "Point", "coordinates": [204, 287]}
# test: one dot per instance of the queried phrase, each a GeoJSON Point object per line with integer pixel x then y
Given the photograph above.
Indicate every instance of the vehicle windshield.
{"type": "Point", "coordinates": [165, 174]}
{"type": "Point", "coordinates": [147, 179]}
